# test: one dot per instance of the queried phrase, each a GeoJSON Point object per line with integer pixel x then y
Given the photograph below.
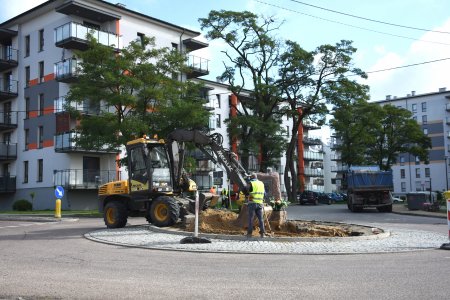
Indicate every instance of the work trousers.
{"type": "Point", "coordinates": [255, 208]}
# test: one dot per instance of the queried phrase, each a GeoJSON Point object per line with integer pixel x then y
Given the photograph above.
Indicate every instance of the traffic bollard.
{"type": "Point", "coordinates": [58, 208]}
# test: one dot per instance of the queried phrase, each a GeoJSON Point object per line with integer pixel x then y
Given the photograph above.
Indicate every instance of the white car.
{"type": "Point", "coordinates": [396, 200]}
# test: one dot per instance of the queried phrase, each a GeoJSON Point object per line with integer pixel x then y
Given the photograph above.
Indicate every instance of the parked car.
{"type": "Point", "coordinates": [325, 198]}
{"type": "Point", "coordinates": [336, 197]}
{"type": "Point", "coordinates": [309, 197]}
{"type": "Point", "coordinates": [396, 199]}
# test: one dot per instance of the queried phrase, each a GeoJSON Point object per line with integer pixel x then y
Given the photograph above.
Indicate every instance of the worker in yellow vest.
{"type": "Point", "coordinates": [255, 204]}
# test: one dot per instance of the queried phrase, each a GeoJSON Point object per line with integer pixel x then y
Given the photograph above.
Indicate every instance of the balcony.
{"type": "Point", "coordinates": [67, 70]}
{"type": "Point", "coordinates": [312, 141]}
{"type": "Point", "coordinates": [8, 151]}
{"type": "Point", "coordinates": [336, 157]}
{"type": "Point", "coordinates": [313, 172]}
{"type": "Point", "coordinates": [193, 44]}
{"type": "Point", "coordinates": [198, 66]}
{"type": "Point", "coordinates": [447, 120]}
{"type": "Point", "coordinates": [8, 120]}
{"type": "Point", "coordinates": [7, 184]}
{"type": "Point", "coordinates": [8, 89]}
{"type": "Point", "coordinates": [65, 143]}
{"type": "Point", "coordinates": [8, 58]}
{"type": "Point", "coordinates": [310, 155]}
{"type": "Point", "coordinates": [74, 36]}
{"type": "Point", "coordinates": [310, 125]}
{"type": "Point", "coordinates": [85, 108]}
{"type": "Point", "coordinates": [447, 107]}
{"type": "Point", "coordinates": [83, 179]}
{"type": "Point", "coordinates": [75, 8]}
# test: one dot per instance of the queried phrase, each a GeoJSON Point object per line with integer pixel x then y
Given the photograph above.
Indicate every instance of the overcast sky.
{"type": "Point", "coordinates": [380, 46]}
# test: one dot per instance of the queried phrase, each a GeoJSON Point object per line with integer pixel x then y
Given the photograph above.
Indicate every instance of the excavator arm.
{"type": "Point", "coordinates": [211, 145]}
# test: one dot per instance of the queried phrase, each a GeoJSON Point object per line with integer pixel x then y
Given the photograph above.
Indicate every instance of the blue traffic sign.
{"type": "Point", "coordinates": [59, 192]}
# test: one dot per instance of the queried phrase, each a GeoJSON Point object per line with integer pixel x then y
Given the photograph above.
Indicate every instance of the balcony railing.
{"type": "Point", "coordinates": [8, 120]}
{"type": "Point", "coordinates": [61, 105]}
{"type": "Point", "coordinates": [198, 65]}
{"type": "Point", "coordinates": [313, 172]}
{"type": "Point", "coordinates": [7, 184]}
{"type": "Point", "coordinates": [310, 125]}
{"type": "Point", "coordinates": [66, 142]}
{"type": "Point", "coordinates": [74, 36]}
{"type": "Point", "coordinates": [8, 151]}
{"type": "Point", "coordinates": [339, 168]}
{"type": "Point", "coordinates": [8, 88]}
{"type": "Point", "coordinates": [84, 179]}
{"type": "Point", "coordinates": [8, 57]}
{"type": "Point", "coordinates": [310, 155]}
{"type": "Point", "coordinates": [312, 141]}
{"type": "Point", "coordinates": [66, 70]}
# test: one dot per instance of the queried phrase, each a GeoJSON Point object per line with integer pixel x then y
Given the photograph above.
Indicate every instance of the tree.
{"type": "Point", "coordinates": [388, 130]}
{"type": "Point", "coordinates": [136, 92]}
{"type": "Point", "coordinates": [310, 81]}
{"type": "Point", "coordinates": [253, 59]}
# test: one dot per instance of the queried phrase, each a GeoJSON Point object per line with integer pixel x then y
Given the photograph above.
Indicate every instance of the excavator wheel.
{"type": "Point", "coordinates": [164, 211]}
{"type": "Point", "coordinates": [115, 214]}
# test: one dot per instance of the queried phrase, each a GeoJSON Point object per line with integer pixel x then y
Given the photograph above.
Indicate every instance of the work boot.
{"type": "Point", "coordinates": [262, 235]}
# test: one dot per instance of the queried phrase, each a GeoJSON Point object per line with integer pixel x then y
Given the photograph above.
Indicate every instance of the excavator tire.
{"type": "Point", "coordinates": [164, 211]}
{"type": "Point", "coordinates": [115, 214]}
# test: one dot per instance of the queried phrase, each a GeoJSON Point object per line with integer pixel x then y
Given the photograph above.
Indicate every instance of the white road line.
{"type": "Point", "coordinates": [25, 225]}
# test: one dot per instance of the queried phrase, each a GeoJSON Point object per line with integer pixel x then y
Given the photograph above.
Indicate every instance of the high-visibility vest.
{"type": "Point", "coordinates": [257, 193]}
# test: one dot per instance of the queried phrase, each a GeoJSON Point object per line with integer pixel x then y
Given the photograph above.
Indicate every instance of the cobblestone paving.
{"type": "Point", "coordinates": [392, 240]}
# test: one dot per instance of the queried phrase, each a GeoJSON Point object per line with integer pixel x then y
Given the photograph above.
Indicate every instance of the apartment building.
{"type": "Point", "coordinates": [37, 66]}
{"type": "Point", "coordinates": [432, 113]}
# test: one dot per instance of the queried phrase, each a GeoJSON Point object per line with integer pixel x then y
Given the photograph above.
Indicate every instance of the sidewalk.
{"type": "Point", "coordinates": [402, 209]}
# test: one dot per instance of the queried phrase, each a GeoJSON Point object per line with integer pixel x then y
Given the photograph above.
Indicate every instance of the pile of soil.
{"type": "Point", "coordinates": [225, 222]}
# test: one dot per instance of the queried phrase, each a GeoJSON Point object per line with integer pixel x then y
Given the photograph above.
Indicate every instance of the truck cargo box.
{"type": "Point", "coordinates": [369, 180]}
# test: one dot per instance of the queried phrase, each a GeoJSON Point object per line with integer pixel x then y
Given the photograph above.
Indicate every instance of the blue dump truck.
{"type": "Point", "coordinates": [369, 187]}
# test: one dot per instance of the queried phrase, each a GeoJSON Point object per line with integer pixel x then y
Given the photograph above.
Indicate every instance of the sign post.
{"type": "Point", "coordinates": [59, 193]}
{"type": "Point", "coordinates": [446, 246]}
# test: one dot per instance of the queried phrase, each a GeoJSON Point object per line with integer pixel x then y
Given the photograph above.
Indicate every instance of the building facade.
{"type": "Point", "coordinates": [37, 66]}
{"type": "Point", "coordinates": [432, 113]}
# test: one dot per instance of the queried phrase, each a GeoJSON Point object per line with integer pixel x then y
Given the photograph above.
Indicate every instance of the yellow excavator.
{"type": "Point", "coordinates": [157, 185]}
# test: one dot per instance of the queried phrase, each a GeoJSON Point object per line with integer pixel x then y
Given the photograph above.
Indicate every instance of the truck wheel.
{"type": "Point", "coordinates": [115, 214]}
{"type": "Point", "coordinates": [164, 211]}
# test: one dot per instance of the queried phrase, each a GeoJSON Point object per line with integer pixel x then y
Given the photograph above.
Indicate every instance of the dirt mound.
{"type": "Point", "coordinates": [225, 222]}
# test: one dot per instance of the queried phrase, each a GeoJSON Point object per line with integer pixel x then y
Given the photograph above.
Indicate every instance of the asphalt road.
{"type": "Point", "coordinates": [54, 261]}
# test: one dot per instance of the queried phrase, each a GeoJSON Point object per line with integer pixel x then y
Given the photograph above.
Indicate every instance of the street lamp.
{"type": "Point", "coordinates": [446, 173]}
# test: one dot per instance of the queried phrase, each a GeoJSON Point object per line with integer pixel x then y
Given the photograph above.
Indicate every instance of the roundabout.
{"type": "Point", "coordinates": [389, 240]}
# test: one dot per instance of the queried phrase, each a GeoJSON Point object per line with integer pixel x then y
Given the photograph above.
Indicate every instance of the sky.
{"type": "Point", "coordinates": [380, 46]}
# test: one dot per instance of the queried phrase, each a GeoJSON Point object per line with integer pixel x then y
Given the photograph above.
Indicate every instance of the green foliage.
{"type": "Point", "coordinates": [135, 92]}
{"type": "Point", "coordinates": [278, 205]}
{"type": "Point", "coordinates": [22, 205]}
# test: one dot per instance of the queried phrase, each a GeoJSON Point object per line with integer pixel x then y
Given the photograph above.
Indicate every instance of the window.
{"type": "Point", "coordinates": [27, 138]}
{"type": "Point", "coordinates": [41, 40]}
{"type": "Point", "coordinates": [424, 119]}
{"type": "Point", "coordinates": [417, 173]}
{"type": "Point", "coordinates": [212, 122]}
{"type": "Point", "coordinates": [414, 108]}
{"type": "Point", "coordinates": [425, 131]}
{"type": "Point", "coordinates": [40, 136]}
{"type": "Point", "coordinates": [417, 160]}
{"type": "Point", "coordinates": [27, 46]}
{"type": "Point", "coordinates": [402, 173]}
{"type": "Point", "coordinates": [25, 171]}
{"type": "Point", "coordinates": [414, 118]}
{"type": "Point", "coordinates": [402, 160]}
{"type": "Point", "coordinates": [7, 137]}
{"type": "Point", "coordinates": [427, 172]}
{"type": "Point", "coordinates": [27, 107]}
{"type": "Point", "coordinates": [41, 71]}
{"type": "Point", "coordinates": [40, 169]}
{"type": "Point", "coordinates": [41, 104]}
{"type": "Point", "coordinates": [424, 106]}
{"type": "Point", "coordinates": [27, 76]}
{"type": "Point", "coordinates": [174, 47]}
{"type": "Point", "coordinates": [217, 100]}
{"type": "Point", "coordinates": [403, 184]}
{"type": "Point", "coordinates": [218, 121]}
{"type": "Point", "coordinates": [419, 186]}
{"type": "Point", "coordinates": [141, 39]}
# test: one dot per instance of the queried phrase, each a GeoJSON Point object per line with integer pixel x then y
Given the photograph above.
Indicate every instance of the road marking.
{"type": "Point", "coordinates": [25, 225]}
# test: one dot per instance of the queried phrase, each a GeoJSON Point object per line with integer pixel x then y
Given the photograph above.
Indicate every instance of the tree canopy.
{"type": "Point", "coordinates": [135, 91]}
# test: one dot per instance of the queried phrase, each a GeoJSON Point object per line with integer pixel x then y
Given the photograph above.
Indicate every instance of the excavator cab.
{"type": "Point", "coordinates": [149, 168]}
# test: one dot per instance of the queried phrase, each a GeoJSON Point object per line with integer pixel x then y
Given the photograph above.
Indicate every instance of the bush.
{"type": "Point", "coordinates": [22, 205]}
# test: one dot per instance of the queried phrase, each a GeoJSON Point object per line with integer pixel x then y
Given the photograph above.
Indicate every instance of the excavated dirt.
{"type": "Point", "coordinates": [225, 222]}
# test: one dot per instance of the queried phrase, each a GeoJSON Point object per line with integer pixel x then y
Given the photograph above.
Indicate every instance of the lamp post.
{"type": "Point", "coordinates": [446, 173]}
